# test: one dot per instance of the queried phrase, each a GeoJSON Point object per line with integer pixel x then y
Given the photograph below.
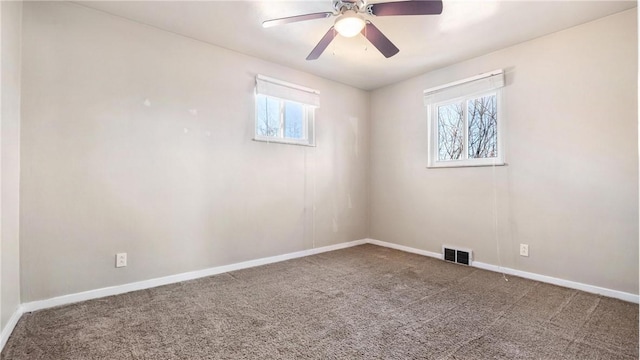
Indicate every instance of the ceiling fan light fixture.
{"type": "Point", "coordinates": [349, 24]}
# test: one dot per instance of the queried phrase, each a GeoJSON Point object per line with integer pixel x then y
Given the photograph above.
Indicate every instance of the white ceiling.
{"type": "Point", "coordinates": [465, 29]}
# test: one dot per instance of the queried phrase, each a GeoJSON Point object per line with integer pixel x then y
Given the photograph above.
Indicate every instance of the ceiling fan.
{"type": "Point", "coordinates": [351, 21]}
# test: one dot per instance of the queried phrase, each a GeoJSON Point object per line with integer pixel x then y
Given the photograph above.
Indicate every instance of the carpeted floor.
{"type": "Point", "coordinates": [365, 302]}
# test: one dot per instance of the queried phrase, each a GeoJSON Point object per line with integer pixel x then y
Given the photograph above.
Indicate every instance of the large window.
{"type": "Point", "coordinates": [465, 122]}
{"type": "Point", "coordinates": [284, 112]}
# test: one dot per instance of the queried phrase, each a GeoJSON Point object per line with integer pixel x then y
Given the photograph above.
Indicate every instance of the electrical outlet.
{"type": "Point", "coordinates": [121, 260]}
{"type": "Point", "coordinates": [524, 250]}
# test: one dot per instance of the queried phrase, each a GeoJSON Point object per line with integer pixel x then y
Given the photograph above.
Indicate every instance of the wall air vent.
{"type": "Point", "coordinates": [449, 254]}
{"type": "Point", "coordinates": [457, 255]}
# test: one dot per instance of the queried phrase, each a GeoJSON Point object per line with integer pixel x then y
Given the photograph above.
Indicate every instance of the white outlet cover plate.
{"type": "Point", "coordinates": [121, 260]}
{"type": "Point", "coordinates": [524, 250]}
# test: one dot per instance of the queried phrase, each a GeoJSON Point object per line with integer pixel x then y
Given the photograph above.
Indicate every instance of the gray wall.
{"type": "Point", "coordinates": [570, 190]}
{"type": "Point", "coordinates": [10, 159]}
{"type": "Point", "coordinates": [103, 173]}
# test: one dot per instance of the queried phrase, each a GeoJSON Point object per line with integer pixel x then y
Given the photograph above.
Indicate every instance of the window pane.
{"type": "Point", "coordinates": [483, 127]}
{"type": "Point", "coordinates": [268, 115]}
{"type": "Point", "coordinates": [293, 120]}
{"type": "Point", "coordinates": [450, 131]}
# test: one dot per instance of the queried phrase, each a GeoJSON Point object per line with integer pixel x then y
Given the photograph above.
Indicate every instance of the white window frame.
{"type": "Point", "coordinates": [433, 135]}
{"type": "Point", "coordinates": [286, 92]}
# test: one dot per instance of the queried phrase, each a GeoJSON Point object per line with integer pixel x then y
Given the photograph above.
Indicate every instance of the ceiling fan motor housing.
{"type": "Point", "coordinates": [343, 5]}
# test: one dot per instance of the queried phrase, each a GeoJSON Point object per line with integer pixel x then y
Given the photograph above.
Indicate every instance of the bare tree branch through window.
{"type": "Point", "coordinates": [450, 131]}
{"type": "Point", "coordinates": [472, 123]}
{"type": "Point", "coordinates": [268, 115]}
{"type": "Point", "coordinates": [483, 127]}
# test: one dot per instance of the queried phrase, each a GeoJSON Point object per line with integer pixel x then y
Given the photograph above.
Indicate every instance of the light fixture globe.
{"type": "Point", "coordinates": [349, 24]}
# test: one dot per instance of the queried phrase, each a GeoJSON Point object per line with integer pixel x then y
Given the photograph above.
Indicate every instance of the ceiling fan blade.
{"type": "Point", "coordinates": [418, 7]}
{"type": "Point", "coordinates": [381, 42]}
{"type": "Point", "coordinates": [322, 45]}
{"type": "Point", "coordinates": [291, 19]}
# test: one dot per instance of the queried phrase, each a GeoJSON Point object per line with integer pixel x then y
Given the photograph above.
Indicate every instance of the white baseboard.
{"type": "Point", "coordinates": [146, 284]}
{"type": "Point", "coordinates": [405, 248]}
{"type": "Point", "coordinates": [8, 329]}
{"type": "Point", "coordinates": [561, 282]}
{"type": "Point", "coordinates": [523, 274]}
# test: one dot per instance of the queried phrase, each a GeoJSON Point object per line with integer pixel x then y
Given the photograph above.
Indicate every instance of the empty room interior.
{"type": "Point", "coordinates": [330, 179]}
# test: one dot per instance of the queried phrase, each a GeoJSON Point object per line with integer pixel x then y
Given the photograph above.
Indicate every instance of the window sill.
{"type": "Point", "coordinates": [445, 166]}
{"type": "Point", "coordinates": [283, 141]}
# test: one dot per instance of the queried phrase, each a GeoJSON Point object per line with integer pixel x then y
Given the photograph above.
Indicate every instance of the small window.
{"type": "Point", "coordinates": [284, 112]}
{"type": "Point", "coordinates": [282, 121]}
{"type": "Point", "coordinates": [465, 123]}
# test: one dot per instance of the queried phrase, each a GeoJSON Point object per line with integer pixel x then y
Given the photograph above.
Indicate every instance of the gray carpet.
{"type": "Point", "coordinates": [365, 302]}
